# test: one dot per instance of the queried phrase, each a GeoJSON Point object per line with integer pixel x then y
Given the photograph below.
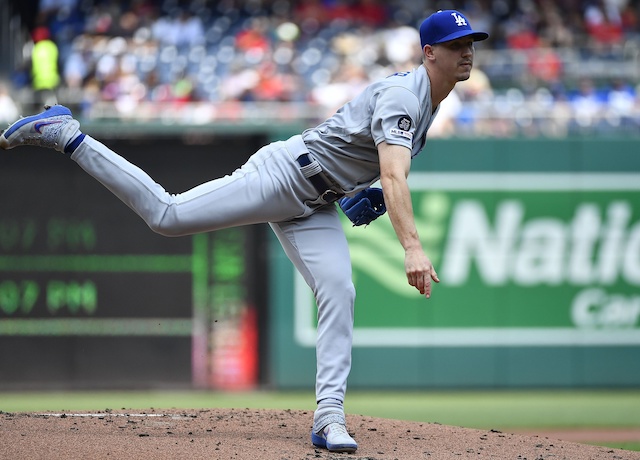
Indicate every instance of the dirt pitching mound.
{"type": "Point", "coordinates": [250, 434]}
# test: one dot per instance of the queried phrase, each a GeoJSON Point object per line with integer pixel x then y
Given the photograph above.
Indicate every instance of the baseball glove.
{"type": "Point", "coordinates": [365, 207]}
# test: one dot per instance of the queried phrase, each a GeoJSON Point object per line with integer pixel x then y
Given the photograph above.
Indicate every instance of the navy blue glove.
{"type": "Point", "coordinates": [365, 207]}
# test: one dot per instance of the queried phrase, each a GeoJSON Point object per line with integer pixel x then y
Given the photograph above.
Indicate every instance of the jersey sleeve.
{"type": "Point", "coordinates": [395, 115]}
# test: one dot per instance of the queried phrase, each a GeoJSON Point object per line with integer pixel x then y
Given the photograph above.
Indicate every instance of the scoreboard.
{"type": "Point", "coordinates": [89, 295]}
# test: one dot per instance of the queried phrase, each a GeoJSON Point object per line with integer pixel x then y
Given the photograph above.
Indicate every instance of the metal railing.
{"type": "Point", "coordinates": [494, 119]}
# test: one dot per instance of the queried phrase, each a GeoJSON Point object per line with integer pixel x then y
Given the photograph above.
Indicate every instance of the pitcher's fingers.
{"type": "Point", "coordinates": [427, 286]}
{"type": "Point", "coordinates": [434, 275]}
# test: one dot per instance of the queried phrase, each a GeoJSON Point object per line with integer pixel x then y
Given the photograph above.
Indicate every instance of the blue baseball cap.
{"type": "Point", "coordinates": [445, 25]}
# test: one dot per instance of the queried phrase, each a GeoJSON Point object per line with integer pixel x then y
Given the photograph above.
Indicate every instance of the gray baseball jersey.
{"type": "Point", "coordinates": [397, 110]}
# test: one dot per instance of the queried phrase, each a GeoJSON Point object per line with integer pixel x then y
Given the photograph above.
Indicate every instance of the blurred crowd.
{"type": "Point", "coordinates": [549, 67]}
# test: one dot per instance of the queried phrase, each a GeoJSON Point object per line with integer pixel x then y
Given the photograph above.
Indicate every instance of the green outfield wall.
{"type": "Point", "coordinates": [537, 244]}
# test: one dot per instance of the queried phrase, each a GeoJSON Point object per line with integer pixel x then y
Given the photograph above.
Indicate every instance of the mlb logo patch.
{"type": "Point", "coordinates": [404, 125]}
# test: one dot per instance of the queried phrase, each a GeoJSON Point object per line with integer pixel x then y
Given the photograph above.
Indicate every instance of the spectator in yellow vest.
{"type": "Point", "coordinates": [45, 76]}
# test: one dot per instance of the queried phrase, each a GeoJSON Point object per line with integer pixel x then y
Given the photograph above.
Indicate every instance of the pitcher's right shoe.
{"type": "Point", "coordinates": [54, 128]}
{"type": "Point", "coordinates": [335, 438]}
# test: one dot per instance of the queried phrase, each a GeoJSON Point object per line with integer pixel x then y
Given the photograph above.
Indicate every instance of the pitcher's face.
{"type": "Point", "coordinates": [455, 58]}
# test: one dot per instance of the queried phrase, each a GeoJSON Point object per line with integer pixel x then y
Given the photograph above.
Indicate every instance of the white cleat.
{"type": "Point", "coordinates": [53, 128]}
{"type": "Point", "coordinates": [335, 438]}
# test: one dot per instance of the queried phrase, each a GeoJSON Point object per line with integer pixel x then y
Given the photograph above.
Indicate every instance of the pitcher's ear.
{"type": "Point", "coordinates": [427, 52]}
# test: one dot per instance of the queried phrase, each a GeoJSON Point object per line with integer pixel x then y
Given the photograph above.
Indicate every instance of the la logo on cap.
{"type": "Point", "coordinates": [460, 20]}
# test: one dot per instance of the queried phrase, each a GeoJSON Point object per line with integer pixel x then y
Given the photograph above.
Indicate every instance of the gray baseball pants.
{"type": "Point", "coordinates": [269, 188]}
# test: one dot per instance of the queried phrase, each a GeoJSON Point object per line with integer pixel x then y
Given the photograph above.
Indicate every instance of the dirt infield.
{"type": "Point", "coordinates": [250, 434]}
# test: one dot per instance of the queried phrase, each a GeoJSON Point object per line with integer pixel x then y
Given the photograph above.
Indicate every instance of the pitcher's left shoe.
{"type": "Point", "coordinates": [54, 128]}
{"type": "Point", "coordinates": [335, 438]}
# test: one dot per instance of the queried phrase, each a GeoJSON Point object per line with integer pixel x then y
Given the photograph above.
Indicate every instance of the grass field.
{"type": "Point", "coordinates": [502, 410]}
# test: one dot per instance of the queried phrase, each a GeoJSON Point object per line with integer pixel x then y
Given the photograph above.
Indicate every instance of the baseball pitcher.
{"type": "Point", "coordinates": [298, 186]}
